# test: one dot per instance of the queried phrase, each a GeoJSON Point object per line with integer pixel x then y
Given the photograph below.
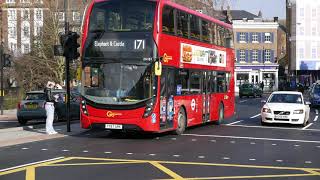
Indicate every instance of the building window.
{"type": "Point", "coordinates": [314, 53]}
{"type": "Point", "coordinates": [314, 13]}
{"type": "Point", "coordinates": [12, 15]}
{"type": "Point", "coordinates": [301, 52]}
{"type": "Point", "coordinates": [255, 37]}
{"type": "Point", "coordinates": [12, 47]}
{"type": "Point", "coordinates": [10, 1]}
{"type": "Point", "coordinates": [38, 30]}
{"type": "Point", "coordinates": [302, 12]}
{"type": "Point", "coordinates": [267, 55]}
{"type": "Point", "coordinates": [267, 37]}
{"type": "Point", "coordinates": [301, 31]}
{"type": "Point", "coordinates": [242, 55]}
{"type": "Point", "coordinates": [26, 48]}
{"type": "Point", "coordinates": [242, 37]}
{"type": "Point", "coordinates": [76, 16]}
{"type": "Point", "coordinates": [38, 13]}
{"type": "Point", "coordinates": [60, 16]}
{"type": "Point", "coordinates": [26, 31]}
{"type": "Point", "coordinates": [314, 29]}
{"type": "Point", "coordinates": [25, 15]}
{"type": "Point", "coordinates": [254, 55]}
{"type": "Point", "coordinates": [12, 33]}
{"type": "Point", "coordinates": [25, 1]}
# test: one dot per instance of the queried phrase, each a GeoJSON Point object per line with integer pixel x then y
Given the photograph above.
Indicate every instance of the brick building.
{"type": "Point", "coordinates": [23, 21]}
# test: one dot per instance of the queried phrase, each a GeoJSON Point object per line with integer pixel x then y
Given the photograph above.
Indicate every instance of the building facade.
{"type": "Point", "coordinates": [22, 21]}
{"type": "Point", "coordinates": [304, 22]}
{"type": "Point", "coordinates": [257, 53]}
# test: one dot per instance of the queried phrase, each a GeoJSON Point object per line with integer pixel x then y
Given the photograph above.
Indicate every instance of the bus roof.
{"type": "Point", "coordinates": [183, 8]}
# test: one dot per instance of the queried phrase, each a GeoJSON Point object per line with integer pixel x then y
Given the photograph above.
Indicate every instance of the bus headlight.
{"type": "Point", "coordinates": [149, 107]}
{"type": "Point", "coordinates": [84, 107]}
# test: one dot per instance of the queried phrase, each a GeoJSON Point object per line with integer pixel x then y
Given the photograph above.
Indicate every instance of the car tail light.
{"type": "Point", "coordinates": [19, 105]}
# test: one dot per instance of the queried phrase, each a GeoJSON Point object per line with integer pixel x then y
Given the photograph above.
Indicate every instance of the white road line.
{"type": "Point", "coordinates": [279, 160]}
{"type": "Point", "coordinates": [269, 127]}
{"type": "Point", "coordinates": [107, 152]}
{"type": "Point", "coordinates": [194, 140]}
{"type": "Point", "coordinates": [129, 153]}
{"type": "Point", "coordinates": [315, 119]}
{"type": "Point", "coordinates": [317, 112]}
{"type": "Point", "coordinates": [255, 116]}
{"type": "Point", "coordinates": [308, 162]}
{"type": "Point", "coordinates": [8, 121]}
{"type": "Point", "coordinates": [234, 122]}
{"type": "Point", "coordinates": [252, 138]}
{"type": "Point", "coordinates": [226, 158]}
{"type": "Point", "coordinates": [274, 144]}
{"type": "Point", "coordinates": [243, 101]}
{"type": "Point", "coordinates": [44, 149]}
{"type": "Point", "coordinates": [152, 154]}
{"type": "Point", "coordinates": [24, 148]}
{"type": "Point", "coordinates": [85, 151]}
{"type": "Point", "coordinates": [176, 155]}
{"type": "Point", "coordinates": [201, 157]}
{"type": "Point", "coordinates": [308, 126]}
{"type": "Point", "coordinates": [252, 159]}
{"type": "Point", "coordinates": [29, 164]}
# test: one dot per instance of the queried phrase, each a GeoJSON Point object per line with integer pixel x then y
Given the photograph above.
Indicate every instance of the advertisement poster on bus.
{"type": "Point", "coordinates": [203, 56]}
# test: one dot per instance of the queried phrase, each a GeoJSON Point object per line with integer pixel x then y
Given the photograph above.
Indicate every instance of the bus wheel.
{"type": "Point", "coordinates": [221, 114]}
{"type": "Point", "coordinates": [182, 119]}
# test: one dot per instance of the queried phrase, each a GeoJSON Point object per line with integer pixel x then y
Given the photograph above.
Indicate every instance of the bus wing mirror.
{"type": "Point", "coordinates": [158, 68]}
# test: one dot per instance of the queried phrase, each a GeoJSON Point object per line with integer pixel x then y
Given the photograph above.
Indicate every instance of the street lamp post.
{"type": "Point", "coordinates": [67, 68]}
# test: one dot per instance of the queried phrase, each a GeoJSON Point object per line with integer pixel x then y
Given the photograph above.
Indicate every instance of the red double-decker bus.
{"type": "Point", "coordinates": [155, 66]}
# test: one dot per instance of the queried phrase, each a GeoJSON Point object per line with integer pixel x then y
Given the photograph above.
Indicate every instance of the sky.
{"type": "Point", "coordinates": [269, 8]}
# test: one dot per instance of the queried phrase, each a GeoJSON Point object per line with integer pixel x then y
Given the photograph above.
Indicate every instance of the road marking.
{"type": "Point", "coordinates": [279, 160]}
{"type": "Point", "coordinates": [213, 140]}
{"type": "Point", "coordinates": [235, 122]}
{"type": "Point", "coordinates": [8, 121]}
{"type": "Point", "coordinates": [252, 138]}
{"type": "Point", "coordinates": [90, 164]}
{"type": "Point", "coordinates": [167, 171]}
{"type": "Point", "coordinates": [243, 101]}
{"type": "Point", "coordinates": [308, 126]}
{"type": "Point", "coordinates": [274, 144]}
{"type": "Point", "coordinates": [296, 145]}
{"type": "Point", "coordinates": [315, 119]}
{"type": "Point", "coordinates": [176, 155]}
{"type": "Point", "coordinates": [252, 159]}
{"type": "Point", "coordinates": [255, 116]}
{"type": "Point", "coordinates": [30, 164]}
{"type": "Point", "coordinates": [232, 142]}
{"type": "Point", "coordinates": [201, 157]}
{"type": "Point", "coordinates": [308, 162]}
{"type": "Point", "coordinates": [85, 151]}
{"type": "Point", "coordinates": [266, 127]}
{"type": "Point", "coordinates": [65, 150]}
{"type": "Point", "coordinates": [30, 173]}
{"type": "Point", "coordinates": [129, 153]}
{"type": "Point", "coordinates": [152, 154]}
{"type": "Point", "coordinates": [194, 140]}
{"type": "Point", "coordinates": [252, 143]}
{"type": "Point", "coordinates": [107, 152]}
{"type": "Point", "coordinates": [226, 158]}
{"type": "Point", "coordinates": [317, 112]}
{"type": "Point", "coordinates": [44, 149]}
{"type": "Point", "coordinates": [24, 148]}
{"type": "Point", "coordinates": [173, 139]}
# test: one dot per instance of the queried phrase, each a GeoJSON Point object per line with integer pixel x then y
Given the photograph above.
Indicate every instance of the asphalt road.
{"type": "Point", "coordinates": [239, 149]}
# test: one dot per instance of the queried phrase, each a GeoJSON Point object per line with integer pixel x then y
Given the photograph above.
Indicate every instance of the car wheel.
{"type": "Point", "coordinates": [22, 121]}
{"type": "Point", "coordinates": [263, 123]}
{"type": "Point", "coordinates": [305, 123]}
{"type": "Point", "coordinates": [221, 115]}
{"type": "Point", "coordinates": [240, 96]}
{"type": "Point", "coordinates": [255, 95]}
{"type": "Point", "coordinates": [182, 122]}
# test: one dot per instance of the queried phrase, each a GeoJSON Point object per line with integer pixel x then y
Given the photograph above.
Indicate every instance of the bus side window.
{"type": "Point", "coordinates": [168, 20]}
{"type": "Point", "coordinates": [182, 29]}
{"type": "Point", "coordinates": [205, 32]}
{"type": "Point", "coordinates": [194, 27]}
{"type": "Point", "coordinates": [171, 85]}
{"type": "Point", "coordinates": [213, 82]}
{"type": "Point", "coordinates": [195, 82]}
{"type": "Point", "coordinates": [163, 82]}
{"type": "Point", "coordinates": [182, 78]}
{"type": "Point", "coordinates": [222, 84]}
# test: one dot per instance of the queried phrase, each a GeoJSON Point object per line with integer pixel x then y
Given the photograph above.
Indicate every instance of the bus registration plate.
{"type": "Point", "coordinates": [113, 126]}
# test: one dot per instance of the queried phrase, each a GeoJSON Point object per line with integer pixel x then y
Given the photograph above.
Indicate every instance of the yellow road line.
{"type": "Point", "coordinates": [167, 171]}
{"type": "Point", "coordinates": [30, 173]}
{"type": "Point", "coordinates": [312, 172]}
{"type": "Point", "coordinates": [37, 165]}
{"type": "Point", "coordinates": [253, 177]}
{"type": "Point", "coordinates": [91, 164]}
{"type": "Point", "coordinates": [106, 159]}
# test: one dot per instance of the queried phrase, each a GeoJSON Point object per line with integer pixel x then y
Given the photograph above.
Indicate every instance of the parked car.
{"type": "Point", "coordinates": [32, 107]}
{"type": "Point", "coordinates": [314, 94]}
{"type": "Point", "coordinates": [285, 107]}
{"type": "Point", "coordinates": [250, 90]}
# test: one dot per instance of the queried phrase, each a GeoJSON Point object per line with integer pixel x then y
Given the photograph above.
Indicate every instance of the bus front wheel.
{"type": "Point", "coordinates": [182, 121]}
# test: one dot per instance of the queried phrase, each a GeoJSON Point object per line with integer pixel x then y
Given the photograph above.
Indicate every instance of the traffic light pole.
{"type": "Point", "coordinates": [67, 71]}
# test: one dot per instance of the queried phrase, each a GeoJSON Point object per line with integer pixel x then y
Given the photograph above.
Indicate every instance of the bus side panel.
{"type": "Point", "coordinates": [215, 101]}
{"type": "Point", "coordinates": [193, 106]}
{"type": "Point", "coordinates": [229, 112]}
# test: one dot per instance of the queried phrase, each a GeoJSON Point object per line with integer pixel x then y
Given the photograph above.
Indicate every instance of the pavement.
{"type": "Point", "coordinates": [240, 148]}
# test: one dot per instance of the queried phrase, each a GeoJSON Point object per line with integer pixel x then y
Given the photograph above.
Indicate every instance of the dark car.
{"type": "Point", "coordinates": [314, 94]}
{"type": "Point", "coordinates": [250, 90]}
{"type": "Point", "coordinates": [32, 107]}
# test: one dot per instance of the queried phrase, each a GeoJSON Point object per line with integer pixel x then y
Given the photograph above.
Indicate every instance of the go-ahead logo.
{"type": "Point", "coordinates": [111, 114]}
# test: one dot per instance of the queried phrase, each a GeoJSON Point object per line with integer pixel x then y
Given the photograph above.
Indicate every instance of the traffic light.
{"type": "Point", "coordinates": [70, 45]}
{"type": "Point", "coordinates": [7, 60]}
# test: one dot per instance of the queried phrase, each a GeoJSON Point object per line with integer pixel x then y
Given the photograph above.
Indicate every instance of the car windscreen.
{"type": "Point", "coordinates": [247, 86]}
{"type": "Point", "coordinates": [35, 96]}
{"type": "Point", "coordinates": [286, 98]}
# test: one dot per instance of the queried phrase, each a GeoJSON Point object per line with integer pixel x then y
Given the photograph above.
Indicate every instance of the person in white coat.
{"type": "Point", "coordinates": [49, 106]}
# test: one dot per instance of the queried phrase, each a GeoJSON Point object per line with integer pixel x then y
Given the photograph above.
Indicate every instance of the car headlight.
{"type": "Point", "coordinates": [266, 110]}
{"type": "Point", "coordinates": [299, 111]}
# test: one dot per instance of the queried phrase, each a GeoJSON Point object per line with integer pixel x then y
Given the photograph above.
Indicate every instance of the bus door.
{"type": "Point", "coordinates": [206, 97]}
{"type": "Point", "coordinates": [167, 90]}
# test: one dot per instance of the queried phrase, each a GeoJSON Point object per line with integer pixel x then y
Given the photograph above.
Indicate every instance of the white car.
{"type": "Point", "coordinates": [285, 107]}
